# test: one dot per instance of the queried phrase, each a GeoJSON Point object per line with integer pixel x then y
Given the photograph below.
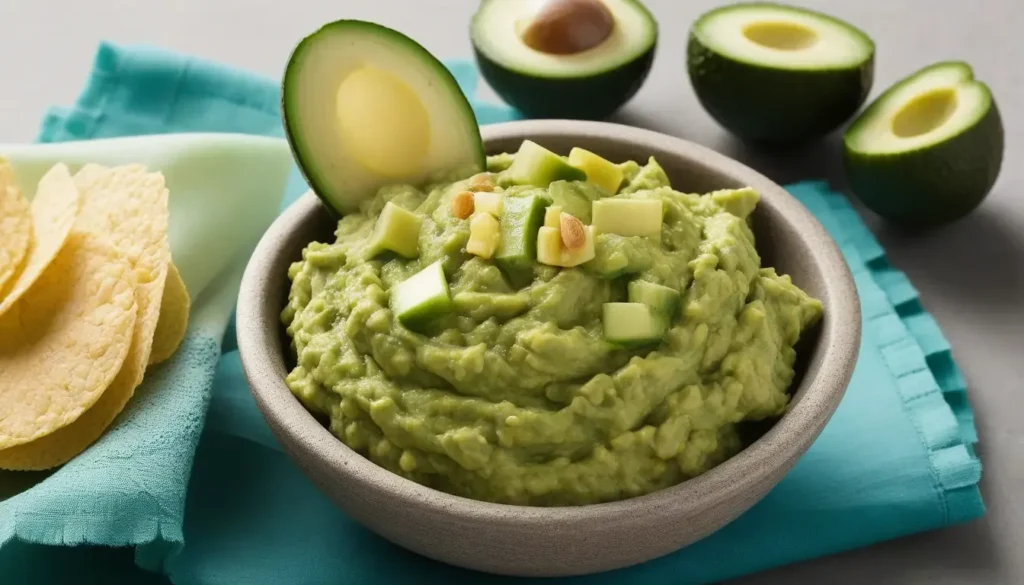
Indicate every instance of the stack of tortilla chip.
{"type": "Point", "coordinates": [89, 298]}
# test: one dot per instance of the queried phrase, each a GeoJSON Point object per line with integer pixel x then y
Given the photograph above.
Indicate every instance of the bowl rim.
{"type": "Point", "coordinates": [788, 438]}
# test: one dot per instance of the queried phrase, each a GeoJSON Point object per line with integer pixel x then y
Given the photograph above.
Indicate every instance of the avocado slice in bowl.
{"type": "Point", "coordinates": [778, 75]}
{"type": "Point", "coordinates": [929, 149]}
{"type": "Point", "coordinates": [580, 59]}
{"type": "Point", "coordinates": [365, 106]}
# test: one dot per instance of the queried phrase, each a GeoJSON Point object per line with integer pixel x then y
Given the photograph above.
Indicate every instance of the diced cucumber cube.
{"type": "Point", "coordinates": [661, 298]}
{"type": "Point", "coordinates": [536, 165]}
{"type": "Point", "coordinates": [422, 297]}
{"type": "Point", "coordinates": [632, 324]}
{"type": "Point", "coordinates": [398, 230]}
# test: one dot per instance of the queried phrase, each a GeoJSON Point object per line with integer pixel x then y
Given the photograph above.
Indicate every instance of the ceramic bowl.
{"type": "Point", "coordinates": [538, 541]}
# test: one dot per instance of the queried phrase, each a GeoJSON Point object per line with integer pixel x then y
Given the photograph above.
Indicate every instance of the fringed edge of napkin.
{"type": "Point", "coordinates": [931, 386]}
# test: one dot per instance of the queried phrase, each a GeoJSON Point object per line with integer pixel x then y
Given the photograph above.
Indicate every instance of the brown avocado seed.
{"type": "Point", "coordinates": [565, 27]}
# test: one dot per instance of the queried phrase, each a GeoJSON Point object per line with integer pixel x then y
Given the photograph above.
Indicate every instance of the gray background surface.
{"type": "Point", "coordinates": [971, 274]}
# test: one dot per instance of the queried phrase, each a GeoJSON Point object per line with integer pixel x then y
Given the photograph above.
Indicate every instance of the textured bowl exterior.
{"type": "Point", "coordinates": [535, 541]}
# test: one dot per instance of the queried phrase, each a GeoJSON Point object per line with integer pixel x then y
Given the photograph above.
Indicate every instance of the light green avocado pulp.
{"type": "Point", "coordinates": [785, 36]}
{"type": "Point", "coordinates": [925, 113]}
{"type": "Point", "coordinates": [515, 396]}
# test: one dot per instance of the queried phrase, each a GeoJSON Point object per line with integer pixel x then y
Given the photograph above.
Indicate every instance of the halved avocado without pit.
{"type": "Point", "coordinates": [366, 106]}
{"type": "Point", "coordinates": [929, 149]}
{"type": "Point", "coordinates": [579, 59]}
{"type": "Point", "coordinates": [778, 75]}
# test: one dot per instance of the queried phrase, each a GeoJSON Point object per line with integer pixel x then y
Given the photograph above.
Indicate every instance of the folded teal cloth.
{"type": "Point", "coordinates": [897, 458]}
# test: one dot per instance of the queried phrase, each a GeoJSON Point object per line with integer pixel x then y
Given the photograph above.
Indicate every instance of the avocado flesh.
{"type": "Point", "coordinates": [776, 75]}
{"type": "Point", "coordinates": [365, 106]}
{"type": "Point", "coordinates": [929, 149]}
{"type": "Point", "coordinates": [616, 255]}
{"type": "Point", "coordinates": [589, 85]}
{"type": "Point", "coordinates": [422, 297]}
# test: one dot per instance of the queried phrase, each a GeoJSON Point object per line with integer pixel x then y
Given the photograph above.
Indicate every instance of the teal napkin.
{"type": "Point", "coordinates": [897, 458]}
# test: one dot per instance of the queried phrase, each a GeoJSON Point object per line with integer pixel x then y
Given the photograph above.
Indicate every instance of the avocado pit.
{"type": "Point", "coordinates": [566, 27]}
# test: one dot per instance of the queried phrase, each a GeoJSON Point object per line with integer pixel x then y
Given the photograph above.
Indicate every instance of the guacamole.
{"type": "Point", "coordinates": [514, 394]}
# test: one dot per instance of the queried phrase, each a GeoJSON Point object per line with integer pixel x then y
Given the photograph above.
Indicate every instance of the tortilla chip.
{"type": "Point", "coordinates": [130, 205]}
{"type": "Point", "coordinates": [63, 344]}
{"type": "Point", "coordinates": [15, 225]}
{"type": "Point", "coordinates": [54, 209]}
{"type": "Point", "coordinates": [174, 309]}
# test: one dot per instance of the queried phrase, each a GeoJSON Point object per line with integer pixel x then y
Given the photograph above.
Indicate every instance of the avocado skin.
{"type": "Point", "coordinates": [594, 97]}
{"type": "Point", "coordinates": [293, 129]}
{"type": "Point", "coordinates": [933, 185]}
{"type": "Point", "coordinates": [772, 107]}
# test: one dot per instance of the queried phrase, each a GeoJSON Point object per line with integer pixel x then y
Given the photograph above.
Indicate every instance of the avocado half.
{"type": "Point", "coordinates": [929, 149]}
{"type": "Point", "coordinates": [778, 75]}
{"type": "Point", "coordinates": [366, 106]}
{"type": "Point", "coordinates": [590, 84]}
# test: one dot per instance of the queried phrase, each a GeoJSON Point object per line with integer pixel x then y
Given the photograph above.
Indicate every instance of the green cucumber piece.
{"type": "Point", "coordinates": [521, 219]}
{"type": "Point", "coordinates": [397, 230]}
{"type": "Point", "coordinates": [663, 299]}
{"type": "Point", "coordinates": [632, 324]}
{"type": "Point", "coordinates": [422, 297]}
{"type": "Point", "coordinates": [538, 166]}
{"type": "Point", "coordinates": [574, 198]}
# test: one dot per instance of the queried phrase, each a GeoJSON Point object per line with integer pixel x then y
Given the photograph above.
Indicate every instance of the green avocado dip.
{"type": "Point", "coordinates": [628, 367]}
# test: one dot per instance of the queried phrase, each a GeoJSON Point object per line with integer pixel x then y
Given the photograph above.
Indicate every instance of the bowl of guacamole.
{"type": "Point", "coordinates": [533, 370]}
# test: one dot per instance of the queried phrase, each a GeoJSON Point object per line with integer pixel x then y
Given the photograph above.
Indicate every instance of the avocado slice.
{"type": "Point", "coordinates": [570, 59]}
{"type": "Point", "coordinates": [628, 217]}
{"type": "Point", "coordinates": [928, 150]}
{"type": "Point", "coordinates": [521, 219]}
{"type": "Point", "coordinates": [663, 299]}
{"type": "Point", "coordinates": [422, 297]}
{"type": "Point", "coordinates": [538, 166]}
{"type": "Point", "coordinates": [366, 106]}
{"type": "Point", "coordinates": [397, 229]}
{"type": "Point", "coordinates": [778, 75]}
{"type": "Point", "coordinates": [632, 324]}
{"type": "Point", "coordinates": [600, 171]}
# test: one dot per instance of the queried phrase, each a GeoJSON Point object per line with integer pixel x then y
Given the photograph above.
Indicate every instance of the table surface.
{"type": "Point", "coordinates": [970, 274]}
